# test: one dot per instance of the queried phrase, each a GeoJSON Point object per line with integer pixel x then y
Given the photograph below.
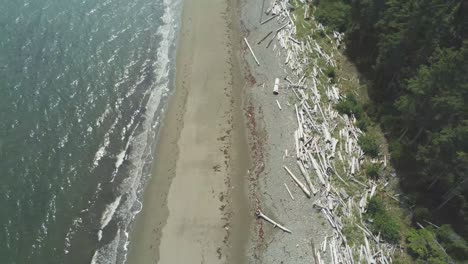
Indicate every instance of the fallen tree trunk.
{"type": "Point", "coordinates": [300, 184]}
{"type": "Point", "coordinates": [290, 194]}
{"type": "Point", "coordinates": [258, 43]}
{"type": "Point", "coordinates": [259, 214]}
{"type": "Point", "coordinates": [276, 86]}
{"type": "Point", "coordinates": [251, 51]}
{"type": "Point", "coordinates": [268, 19]}
{"type": "Point", "coordinates": [307, 177]}
{"type": "Point", "coordinates": [279, 106]}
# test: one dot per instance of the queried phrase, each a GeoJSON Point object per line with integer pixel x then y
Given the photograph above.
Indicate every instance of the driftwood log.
{"type": "Point", "coordinates": [268, 19]}
{"type": "Point", "coordinates": [276, 86]}
{"type": "Point", "coordinates": [299, 183]}
{"type": "Point", "coordinates": [259, 214]}
{"type": "Point", "coordinates": [251, 51]}
{"type": "Point", "coordinates": [290, 194]}
{"type": "Point", "coordinates": [258, 43]}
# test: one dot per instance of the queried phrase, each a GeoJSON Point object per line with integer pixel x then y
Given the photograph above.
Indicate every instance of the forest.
{"type": "Point", "coordinates": [413, 56]}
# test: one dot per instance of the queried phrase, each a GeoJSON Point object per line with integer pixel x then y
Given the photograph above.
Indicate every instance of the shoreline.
{"type": "Point", "coordinates": [195, 201]}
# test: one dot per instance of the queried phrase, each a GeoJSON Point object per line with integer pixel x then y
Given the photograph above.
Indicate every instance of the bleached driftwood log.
{"type": "Point", "coordinates": [251, 51]}
{"type": "Point", "coordinates": [290, 194]}
{"type": "Point", "coordinates": [259, 214]}
{"type": "Point", "coordinates": [296, 141]}
{"type": "Point", "coordinates": [317, 169]}
{"type": "Point", "coordinates": [276, 86]}
{"type": "Point", "coordinates": [299, 183]}
{"type": "Point", "coordinates": [279, 106]}
{"type": "Point", "coordinates": [281, 28]}
{"type": "Point", "coordinates": [307, 177]}
{"type": "Point", "coordinates": [307, 12]}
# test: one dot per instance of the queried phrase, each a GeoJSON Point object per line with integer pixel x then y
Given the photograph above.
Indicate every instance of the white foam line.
{"type": "Point", "coordinates": [142, 143]}
{"type": "Point", "coordinates": [102, 150]}
{"type": "Point", "coordinates": [109, 212]}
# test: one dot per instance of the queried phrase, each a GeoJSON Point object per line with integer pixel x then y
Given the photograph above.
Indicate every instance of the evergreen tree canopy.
{"type": "Point", "coordinates": [414, 53]}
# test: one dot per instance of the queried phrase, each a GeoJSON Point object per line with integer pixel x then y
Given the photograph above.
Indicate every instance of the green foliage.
{"type": "Point", "coordinates": [369, 145]}
{"type": "Point", "coordinates": [382, 221]}
{"type": "Point", "coordinates": [388, 226]}
{"type": "Point", "coordinates": [375, 206]}
{"type": "Point", "coordinates": [302, 28]}
{"type": "Point", "coordinates": [353, 235]}
{"type": "Point", "coordinates": [414, 54]}
{"type": "Point", "coordinates": [420, 214]}
{"type": "Point", "coordinates": [455, 245]}
{"type": "Point", "coordinates": [363, 123]}
{"type": "Point", "coordinates": [334, 13]}
{"type": "Point", "coordinates": [423, 246]}
{"type": "Point", "coordinates": [399, 258]}
{"type": "Point", "coordinates": [396, 150]}
{"type": "Point", "coordinates": [350, 105]}
{"type": "Point", "coordinates": [373, 171]}
{"type": "Point", "coordinates": [330, 72]}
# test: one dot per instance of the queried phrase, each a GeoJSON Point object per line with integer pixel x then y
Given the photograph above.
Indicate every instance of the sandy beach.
{"type": "Point", "coordinates": [195, 209]}
{"type": "Point", "coordinates": [221, 151]}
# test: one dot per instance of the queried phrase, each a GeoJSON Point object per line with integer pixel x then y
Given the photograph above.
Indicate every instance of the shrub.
{"type": "Point", "coordinates": [373, 171]}
{"type": "Point", "coordinates": [350, 105]}
{"type": "Point", "coordinates": [422, 245]}
{"type": "Point", "coordinates": [382, 221]}
{"type": "Point", "coordinates": [353, 235]}
{"type": "Point", "coordinates": [420, 214]}
{"type": "Point", "coordinates": [388, 226]}
{"type": "Point", "coordinates": [455, 245]}
{"type": "Point", "coordinates": [363, 123]}
{"type": "Point", "coordinates": [334, 13]}
{"type": "Point", "coordinates": [396, 150]}
{"type": "Point", "coordinates": [368, 143]}
{"type": "Point", "coordinates": [330, 72]}
{"type": "Point", "coordinates": [375, 206]}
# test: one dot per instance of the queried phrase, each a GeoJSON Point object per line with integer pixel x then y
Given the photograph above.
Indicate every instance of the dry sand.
{"type": "Point", "coordinates": [195, 209]}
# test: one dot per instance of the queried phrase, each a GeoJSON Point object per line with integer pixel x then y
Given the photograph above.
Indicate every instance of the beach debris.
{"type": "Point", "coordinates": [276, 86]}
{"type": "Point", "coordinates": [290, 194]}
{"type": "Point", "coordinates": [278, 103]}
{"type": "Point", "coordinates": [266, 36]}
{"type": "Point", "coordinates": [251, 51]}
{"type": "Point", "coordinates": [327, 152]}
{"type": "Point", "coordinates": [271, 41]}
{"type": "Point", "coordinates": [259, 214]}
{"type": "Point", "coordinates": [268, 19]}
{"type": "Point", "coordinates": [314, 252]}
{"type": "Point", "coordinates": [299, 183]}
{"type": "Point", "coordinates": [307, 12]}
{"type": "Point", "coordinates": [307, 177]}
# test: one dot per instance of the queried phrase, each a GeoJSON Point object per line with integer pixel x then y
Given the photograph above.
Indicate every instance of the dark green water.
{"type": "Point", "coordinates": [82, 84]}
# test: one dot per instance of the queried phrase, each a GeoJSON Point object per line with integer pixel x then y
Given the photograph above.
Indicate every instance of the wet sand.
{"type": "Point", "coordinates": [195, 209]}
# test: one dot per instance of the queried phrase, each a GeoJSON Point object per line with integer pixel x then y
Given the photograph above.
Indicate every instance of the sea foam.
{"type": "Point", "coordinates": [109, 212]}
{"type": "Point", "coordinates": [142, 144]}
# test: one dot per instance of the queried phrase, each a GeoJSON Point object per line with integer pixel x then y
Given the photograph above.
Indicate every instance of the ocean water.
{"type": "Point", "coordinates": [82, 87]}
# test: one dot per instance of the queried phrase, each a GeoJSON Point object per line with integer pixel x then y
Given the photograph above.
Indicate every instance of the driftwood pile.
{"type": "Point", "coordinates": [326, 143]}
